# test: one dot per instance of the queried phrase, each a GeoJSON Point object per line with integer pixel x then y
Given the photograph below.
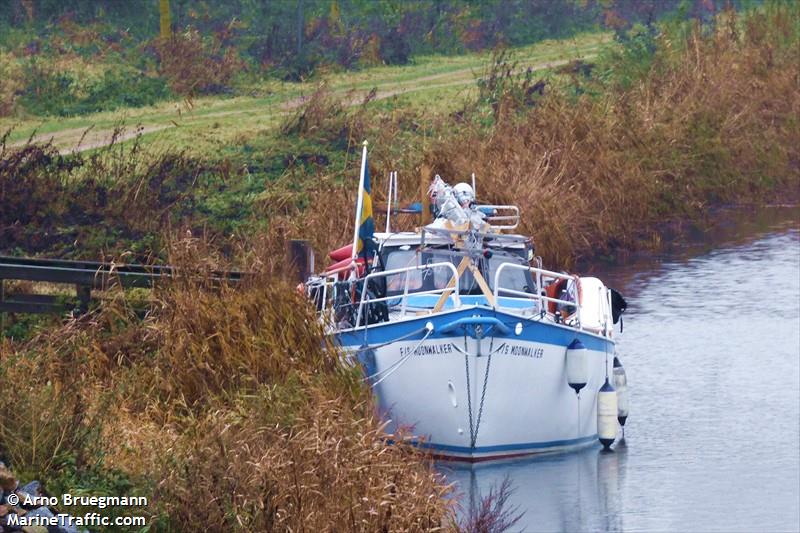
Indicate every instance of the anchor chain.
{"type": "Point", "coordinates": [483, 392]}
{"type": "Point", "coordinates": [472, 437]}
{"type": "Point", "coordinates": [475, 426]}
{"type": "Point", "coordinates": [483, 397]}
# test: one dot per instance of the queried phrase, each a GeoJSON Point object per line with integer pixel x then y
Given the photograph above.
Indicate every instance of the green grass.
{"type": "Point", "coordinates": [207, 124]}
{"type": "Point", "coordinates": [247, 177]}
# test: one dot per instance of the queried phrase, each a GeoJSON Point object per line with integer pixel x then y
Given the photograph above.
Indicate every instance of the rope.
{"type": "Point", "coordinates": [459, 350]}
{"type": "Point", "coordinates": [376, 346]}
{"type": "Point", "coordinates": [391, 370]}
{"type": "Point", "coordinates": [474, 426]}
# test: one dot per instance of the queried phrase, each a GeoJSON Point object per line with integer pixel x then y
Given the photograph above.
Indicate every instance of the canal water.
{"type": "Point", "coordinates": [711, 346]}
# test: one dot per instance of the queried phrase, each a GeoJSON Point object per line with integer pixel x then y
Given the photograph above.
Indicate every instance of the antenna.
{"type": "Point", "coordinates": [389, 201]}
{"type": "Point", "coordinates": [395, 204]}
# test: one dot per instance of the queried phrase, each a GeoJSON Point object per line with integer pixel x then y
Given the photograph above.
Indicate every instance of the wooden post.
{"type": "Point", "coordinates": [84, 293]}
{"type": "Point", "coordinates": [482, 284]}
{"type": "Point", "coordinates": [2, 299]}
{"type": "Point", "coordinates": [301, 259]}
{"type": "Point", "coordinates": [424, 184]}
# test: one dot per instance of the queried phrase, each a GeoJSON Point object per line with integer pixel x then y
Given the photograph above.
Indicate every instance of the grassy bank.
{"type": "Point", "coordinates": [206, 124]}
{"type": "Point", "coordinates": [654, 131]}
{"type": "Point", "coordinates": [225, 408]}
{"type": "Point", "coordinates": [229, 164]}
{"type": "Point", "coordinates": [64, 60]}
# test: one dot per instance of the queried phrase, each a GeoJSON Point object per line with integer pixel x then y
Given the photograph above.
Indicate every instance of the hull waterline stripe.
{"type": "Point", "coordinates": [477, 459]}
{"type": "Point", "coordinates": [505, 447]}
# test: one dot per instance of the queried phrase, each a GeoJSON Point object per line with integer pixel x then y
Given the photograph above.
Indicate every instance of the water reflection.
{"type": "Point", "coordinates": [735, 228]}
{"type": "Point", "coordinates": [712, 351]}
{"type": "Point", "coordinates": [577, 491]}
{"type": "Point", "coordinates": [610, 481]}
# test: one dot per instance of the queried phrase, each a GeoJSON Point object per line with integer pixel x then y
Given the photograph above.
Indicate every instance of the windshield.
{"type": "Point", "coordinates": [514, 279]}
{"type": "Point", "coordinates": [442, 276]}
{"type": "Point", "coordinates": [510, 278]}
{"type": "Point", "coordinates": [395, 283]}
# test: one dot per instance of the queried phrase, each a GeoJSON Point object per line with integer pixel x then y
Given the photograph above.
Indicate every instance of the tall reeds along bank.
{"type": "Point", "coordinates": [598, 164]}
{"type": "Point", "coordinates": [226, 407]}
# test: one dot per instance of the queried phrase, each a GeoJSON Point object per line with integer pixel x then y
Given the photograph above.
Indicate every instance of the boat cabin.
{"type": "Point", "coordinates": [463, 258]}
{"type": "Point", "coordinates": [414, 274]}
{"type": "Point", "coordinates": [403, 250]}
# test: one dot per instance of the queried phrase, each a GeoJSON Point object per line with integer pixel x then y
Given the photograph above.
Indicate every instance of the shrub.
{"type": "Point", "coordinates": [102, 201]}
{"type": "Point", "coordinates": [119, 89]}
{"type": "Point", "coordinates": [53, 417]}
{"type": "Point", "coordinates": [395, 48]}
{"type": "Point", "coordinates": [47, 91]}
{"type": "Point", "coordinates": [11, 74]}
{"type": "Point", "coordinates": [193, 65]}
{"type": "Point", "coordinates": [50, 91]}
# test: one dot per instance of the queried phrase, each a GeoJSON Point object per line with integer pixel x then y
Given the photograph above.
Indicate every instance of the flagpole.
{"type": "Point", "coordinates": [360, 202]}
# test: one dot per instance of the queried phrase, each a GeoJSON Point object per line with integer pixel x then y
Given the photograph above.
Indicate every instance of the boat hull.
{"type": "Point", "coordinates": [481, 384]}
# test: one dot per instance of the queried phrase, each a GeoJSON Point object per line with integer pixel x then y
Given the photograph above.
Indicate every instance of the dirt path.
{"type": "Point", "coordinates": [81, 139]}
{"type": "Point", "coordinates": [415, 85]}
{"type": "Point", "coordinates": [76, 140]}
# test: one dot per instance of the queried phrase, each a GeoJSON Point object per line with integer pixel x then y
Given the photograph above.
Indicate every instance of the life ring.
{"type": "Point", "coordinates": [554, 290]}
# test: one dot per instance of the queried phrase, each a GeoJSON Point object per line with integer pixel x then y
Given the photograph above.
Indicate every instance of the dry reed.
{"type": "Point", "coordinates": [226, 405]}
{"type": "Point", "coordinates": [714, 122]}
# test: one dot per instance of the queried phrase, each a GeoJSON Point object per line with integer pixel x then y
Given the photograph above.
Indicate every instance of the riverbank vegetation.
{"type": "Point", "coordinates": [674, 120]}
{"type": "Point", "coordinates": [226, 408]}
{"type": "Point", "coordinates": [666, 126]}
{"type": "Point", "coordinates": [222, 405]}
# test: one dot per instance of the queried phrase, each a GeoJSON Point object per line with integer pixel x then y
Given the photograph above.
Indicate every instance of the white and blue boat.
{"type": "Point", "coordinates": [470, 346]}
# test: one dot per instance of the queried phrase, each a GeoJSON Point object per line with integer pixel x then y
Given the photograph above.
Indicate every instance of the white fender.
{"type": "Point", "coordinates": [577, 365]}
{"type": "Point", "coordinates": [607, 414]}
{"type": "Point", "coordinates": [621, 385]}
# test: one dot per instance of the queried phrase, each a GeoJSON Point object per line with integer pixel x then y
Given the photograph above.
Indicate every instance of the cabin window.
{"type": "Point", "coordinates": [442, 276]}
{"type": "Point", "coordinates": [438, 278]}
{"type": "Point", "coordinates": [514, 279]}
{"type": "Point", "coordinates": [395, 283]}
{"type": "Point", "coordinates": [510, 278]}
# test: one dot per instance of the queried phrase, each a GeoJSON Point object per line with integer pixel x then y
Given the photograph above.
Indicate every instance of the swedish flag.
{"type": "Point", "coordinates": [366, 225]}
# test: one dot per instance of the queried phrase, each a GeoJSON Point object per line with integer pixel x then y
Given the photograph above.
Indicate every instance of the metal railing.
{"type": "Point", "coordinates": [453, 290]}
{"type": "Point", "coordinates": [491, 219]}
{"type": "Point", "coordinates": [542, 300]}
{"type": "Point", "coordinates": [608, 321]}
{"type": "Point", "coordinates": [330, 278]}
{"type": "Point", "coordinates": [86, 276]}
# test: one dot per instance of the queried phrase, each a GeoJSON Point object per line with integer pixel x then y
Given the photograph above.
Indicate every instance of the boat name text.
{"type": "Point", "coordinates": [447, 348]}
{"type": "Point", "coordinates": [522, 351]}
{"type": "Point", "coordinates": [428, 349]}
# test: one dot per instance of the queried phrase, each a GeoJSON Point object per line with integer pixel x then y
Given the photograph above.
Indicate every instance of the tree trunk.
{"type": "Point", "coordinates": [166, 23]}
{"type": "Point", "coordinates": [300, 24]}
